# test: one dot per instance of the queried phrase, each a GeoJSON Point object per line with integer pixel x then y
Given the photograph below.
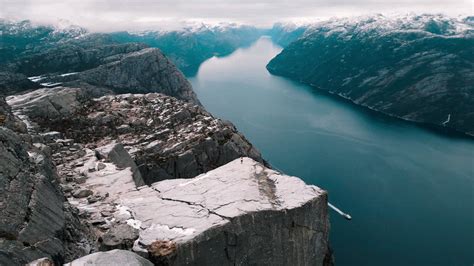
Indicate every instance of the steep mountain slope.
{"type": "Point", "coordinates": [191, 46]}
{"type": "Point", "coordinates": [286, 33]}
{"type": "Point", "coordinates": [418, 68]}
{"type": "Point", "coordinates": [35, 218]}
{"type": "Point", "coordinates": [143, 71]}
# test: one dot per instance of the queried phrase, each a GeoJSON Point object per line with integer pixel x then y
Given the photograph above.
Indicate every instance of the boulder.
{"type": "Point", "coordinates": [121, 236]}
{"type": "Point", "coordinates": [116, 154]}
{"type": "Point", "coordinates": [41, 262]}
{"type": "Point", "coordinates": [111, 258]}
{"type": "Point", "coordinates": [82, 193]}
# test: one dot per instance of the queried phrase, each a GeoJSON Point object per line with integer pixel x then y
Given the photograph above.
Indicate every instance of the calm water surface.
{"type": "Point", "coordinates": [410, 191]}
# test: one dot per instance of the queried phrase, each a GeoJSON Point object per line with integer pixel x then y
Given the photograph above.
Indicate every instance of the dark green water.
{"type": "Point", "coordinates": [409, 190]}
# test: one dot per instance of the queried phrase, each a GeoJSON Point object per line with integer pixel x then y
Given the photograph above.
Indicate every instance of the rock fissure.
{"type": "Point", "coordinates": [198, 205]}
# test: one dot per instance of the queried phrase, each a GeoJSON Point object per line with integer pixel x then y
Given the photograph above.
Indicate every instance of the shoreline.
{"type": "Point", "coordinates": [433, 128]}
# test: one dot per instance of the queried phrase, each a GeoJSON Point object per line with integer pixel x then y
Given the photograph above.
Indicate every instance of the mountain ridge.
{"type": "Point", "coordinates": [418, 70]}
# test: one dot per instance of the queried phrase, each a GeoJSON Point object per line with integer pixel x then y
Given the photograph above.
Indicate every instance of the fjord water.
{"type": "Point", "coordinates": [409, 190]}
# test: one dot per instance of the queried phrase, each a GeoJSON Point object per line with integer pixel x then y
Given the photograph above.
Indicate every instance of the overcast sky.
{"type": "Point", "coordinates": [109, 15]}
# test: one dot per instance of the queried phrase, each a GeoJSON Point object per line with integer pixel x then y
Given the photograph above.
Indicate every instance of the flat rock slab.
{"type": "Point", "coordinates": [241, 212]}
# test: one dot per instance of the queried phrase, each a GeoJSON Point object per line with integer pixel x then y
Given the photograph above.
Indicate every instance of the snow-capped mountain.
{"type": "Point", "coordinates": [63, 28]}
{"type": "Point", "coordinates": [436, 24]}
{"type": "Point", "coordinates": [417, 67]}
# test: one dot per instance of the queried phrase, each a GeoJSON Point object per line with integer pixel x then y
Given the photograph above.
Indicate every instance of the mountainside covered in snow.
{"type": "Point", "coordinates": [19, 37]}
{"type": "Point", "coordinates": [416, 67]}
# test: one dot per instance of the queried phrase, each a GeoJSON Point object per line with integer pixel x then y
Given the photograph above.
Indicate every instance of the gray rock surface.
{"type": "Point", "coordinates": [116, 153]}
{"type": "Point", "coordinates": [111, 258]}
{"type": "Point", "coordinates": [121, 236]}
{"type": "Point", "coordinates": [167, 138]}
{"type": "Point", "coordinates": [35, 220]}
{"type": "Point", "coordinates": [48, 103]}
{"type": "Point", "coordinates": [144, 71]}
{"type": "Point", "coordinates": [8, 120]}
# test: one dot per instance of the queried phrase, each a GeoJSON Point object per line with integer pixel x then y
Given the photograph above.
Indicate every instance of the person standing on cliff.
{"type": "Point", "coordinates": [241, 160]}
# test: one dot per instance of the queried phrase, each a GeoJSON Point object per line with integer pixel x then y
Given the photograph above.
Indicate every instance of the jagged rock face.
{"type": "Point", "coordinates": [167, 138]}
{"type": "Point", "coordinates": [8, 120]}
{"type": "Point", "coordinates": [418, 68]}
{"type": "Point", "coordinates": [144, 71]}
{"type": "Point", "coordinates": [35, 221]}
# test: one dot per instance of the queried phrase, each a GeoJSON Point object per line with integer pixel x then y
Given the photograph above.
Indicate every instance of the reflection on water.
{"type": "Point", "coordinates": [409, 191]}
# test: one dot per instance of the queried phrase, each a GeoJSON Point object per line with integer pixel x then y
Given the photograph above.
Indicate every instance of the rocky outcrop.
{"type": "Point", "coordinates": [238, 214]}
{"type": "Point", "coordinates": [144, 71]}
{"type": "Point", "coordinates": [72, 56]}
{"type": "Point", "coordinates": [110, 151]}
{"type": "Point", "coordinates": [8, 120]}
{"type": "Point", "coordinates": [166, 137]}
{"type": "Point", "coordinates": [35, 219]}
{"type": "Point", "coordinates": [113, 257]}
{"type": "Point", "coordinates": [418, 68]}
{"type": "Point", "coordinates": [11, 83]}
{"type": "Point", "coordinates": [48, 103]}
{"type": "Point", "coordinates": [245, 213]}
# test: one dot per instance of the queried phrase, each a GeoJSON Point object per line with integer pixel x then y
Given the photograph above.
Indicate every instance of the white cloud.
{"type": "Point", "coordinates": [106, 15]}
